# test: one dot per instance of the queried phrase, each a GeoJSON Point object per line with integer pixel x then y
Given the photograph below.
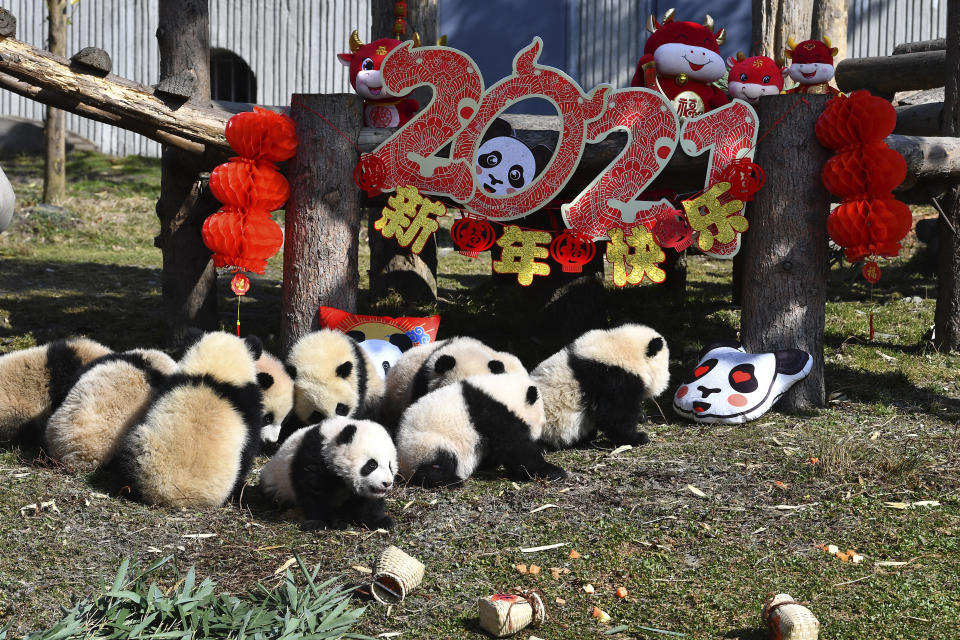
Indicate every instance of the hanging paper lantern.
{"type": "Point", "coordinates": [869, 227]}
{"type": "Point", "coordinates": [672, 230]}
{"type": "Point", "coordinates": [745, 178]}
{"type": "Point", "coordinates": [572, 250]}
{"type": "Point", "coordinates": [472, 235]}
{"type": "Point", "coordinates": [370, 174]}
{"type": "Point", "coordinates": [245, 183]}
{"type": "Point", "coordinates": [871, 169]}
{"type": "Point", "coordinates": [859, 118]}
{"type": "Point", "coordinates": [242, 239]}
{"type": "Point", "coordinates": [262, 134]}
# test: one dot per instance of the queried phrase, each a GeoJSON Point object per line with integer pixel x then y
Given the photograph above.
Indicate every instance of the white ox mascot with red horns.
{"type": "Point", "coordinates": [681, 60]}
{"type": "Point", "coordinates": [381, 109]}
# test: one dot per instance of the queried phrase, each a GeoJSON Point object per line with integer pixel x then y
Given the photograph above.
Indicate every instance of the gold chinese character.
{"type": "Point", "coordinates": [724, 218]}
{"type": "Point", "coordinates": [639, 251]}
{"type": "Point", "coordinates": [520, 252]}
{"type": "Point", "coordinates": [407, 218]}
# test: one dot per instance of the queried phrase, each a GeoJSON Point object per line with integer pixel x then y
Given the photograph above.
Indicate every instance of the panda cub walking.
{"type": "Point", "coordinates": [336, 472]}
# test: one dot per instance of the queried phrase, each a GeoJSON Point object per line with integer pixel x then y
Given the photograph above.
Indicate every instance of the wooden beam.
{"type": "Point", "coordinates": [938, 44]}
{"type": "Point", "coordinates": [928, 158]}
{"type": "Point", "coordinates": [885, 75]}
{"type": "Point", "coordinates": [919, 119]}
{"type": "Point", "coordinates": [51, 79]}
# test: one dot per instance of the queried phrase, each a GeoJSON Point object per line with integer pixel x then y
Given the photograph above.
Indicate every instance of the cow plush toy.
{"type": "Point", "coordinates": [681, 60]}
{"type": "Point", "coordinates": [381, 109]}
{"type": "Point", "coordinates": [751, 78]}
{"type": "Point", "coordinates": [812, 66]}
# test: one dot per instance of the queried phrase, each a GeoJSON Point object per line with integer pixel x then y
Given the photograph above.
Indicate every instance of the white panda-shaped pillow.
{"type": "Point", "coordinates": [504, 164]}
{"type": "Point", "coordinates": [731, 386]}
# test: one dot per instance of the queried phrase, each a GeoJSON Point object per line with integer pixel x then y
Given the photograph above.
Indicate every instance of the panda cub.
{"type": "Point", "coordinates": [277, 395]}
{"type": "Point", "coordinates": [488, 420]}
{"type": "Point", "coordinates": [197, 441]}
{"type": "Point", "coordinates": [599, 382]}
{"type": "Point", "coordinates": [109, 397]}
{"type": "Point", "coordinates": [34, 381]}
{"type": "Point", "coordinates": [336, 472]}
{"type": "Point", "coordinates": [429, 367]}
{"type": "Point", "coordinates": [332, 376]}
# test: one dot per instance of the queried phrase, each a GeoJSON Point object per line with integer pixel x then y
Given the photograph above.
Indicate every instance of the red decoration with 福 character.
{"type": "Point", "coordinates": [682, 60]}
{"type": "Point", "coordinates": [381, 109]}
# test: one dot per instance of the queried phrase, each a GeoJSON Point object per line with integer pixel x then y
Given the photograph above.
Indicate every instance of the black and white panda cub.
{"type": "Point", "coordinates": [109, 397]}
{"type": "Point", "coordinates": [34, 381]}
{"type": "Point", "coordinates": [429, 367]}
{"type": "Point", "coordinates": [277, 395]}
{"type": "Point", "coordinates": [504, 164]}
{"type": "Point", "coordinates": [488, 420]}
{"type": "Point", "coordinates": [197, 441]}
{"type": "Point", "coordinates": [332, 376]}
{"type": "Point", "coordinates": [599, 382]}
{"type": "Point", "coordinates": [336, 472]}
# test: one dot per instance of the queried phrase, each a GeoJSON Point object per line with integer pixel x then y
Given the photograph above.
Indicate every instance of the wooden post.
{"type": "Point", "coordinates": [323, 216]}
{"type": "Point", "coordinates": [189, 278]}
{"type": "Point", "coordinates": [785, 251]}
{"type": "Point", "coordinates": [413, 276]}
{"type": "Point", "coordinates": [54, 170]}
{"type": "Point", "coordinates": [830, 21]}
{"type": "Point", "coordinates": [947, 316]}
{"type": "Point", "coordinates": [774, 21]}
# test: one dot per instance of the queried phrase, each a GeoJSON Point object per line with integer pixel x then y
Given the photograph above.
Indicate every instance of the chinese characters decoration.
{"type": "Point", "coordinates": [410, 218]}
{"type": "Point", "coordinates": [634, 257]}
{"type": "Point", "coordinates": [715, 221]}
{"type": "Point", "coordinates": [521, 250]}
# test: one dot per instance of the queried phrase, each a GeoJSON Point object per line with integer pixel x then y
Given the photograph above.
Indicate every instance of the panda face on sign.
{"type": "Point", "coordinates": [731, 386]}
{"type": "Point", "coordinates": [504, 164]}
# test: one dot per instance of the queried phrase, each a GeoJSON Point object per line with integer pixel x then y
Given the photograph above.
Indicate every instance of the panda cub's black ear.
{"type": "Point", "coordinates": [654, 347]}
{"type": "Point", "coordinates": [291, 370]}
{"type": "Point", "coordinates": [254, 345]}
{"type": "Point", "coordinates": [532, 394]}
{"type": "Point", "coordinates": [496, 366]}
{"type": "Point", "coordinates": [541, 155]}
{"type": "Point", "coordinates": [265, 380]}
{"type": "Point", "coordinates": [344, 369]}
{"type": "Point", "coordinates": [346, 434]}
{"type": "Point", "coordinates": [359, 336]}
{"type": "Point", "coordinates": [444, 363]}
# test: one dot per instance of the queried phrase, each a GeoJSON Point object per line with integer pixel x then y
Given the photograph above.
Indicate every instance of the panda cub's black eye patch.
{"type": "Point", "coordinates": [268, 417]}
{"type": "Point", "coordinates": [316, 417]}
{"type": "Point", "coordinates": [742, 378]}
{"type": "Point", "coordinates": [344, 369]}
{"type": "Point", "coordinates": [342, 409]}
{"type": "Point", "coordinates": [369, 467]}
{"type": "Point", "coordinates": [496, 366]}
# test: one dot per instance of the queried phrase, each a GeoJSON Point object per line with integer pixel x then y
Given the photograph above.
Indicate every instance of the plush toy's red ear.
{"type": "Point", "coordinates": [345, 58]}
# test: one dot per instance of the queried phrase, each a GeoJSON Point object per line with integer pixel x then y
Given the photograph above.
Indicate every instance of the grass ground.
{"type": "Point", "coordinates": [699, 526]}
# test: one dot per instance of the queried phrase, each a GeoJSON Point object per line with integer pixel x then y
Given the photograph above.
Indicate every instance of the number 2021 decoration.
{"type": "Point", "coordinates": [461, 110]}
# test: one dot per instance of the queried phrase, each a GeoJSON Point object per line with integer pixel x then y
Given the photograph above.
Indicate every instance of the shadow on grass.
{"type": "Point", "coordinates": [868, 387]}
{"type": "Point", "coordinates": [747, 634]}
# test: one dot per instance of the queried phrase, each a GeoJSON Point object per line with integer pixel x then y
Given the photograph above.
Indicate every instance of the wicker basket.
{"type": "Point", "coordinates": [789, 620]}
{"type": "Point", "coordinates": [395, 576]}
{"type": "Point", "coordinates": [503, 615]}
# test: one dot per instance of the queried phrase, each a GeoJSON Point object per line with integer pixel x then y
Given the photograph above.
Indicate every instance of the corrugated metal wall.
{"type": "Point", "coordinates": [875, 27]}
{"type": "Point", "coordinates": [290, 45]}
{"type": "Point", "coordinates": [610, 32]}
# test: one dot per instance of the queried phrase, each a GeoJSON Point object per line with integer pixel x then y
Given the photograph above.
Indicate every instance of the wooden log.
{"type": "Point", "coordinates": [947, 314]}
{"type": "Point", "coordinates": [136, 106]}
{"type": "Point", "coordinates": [322, 236]}
{"type": "Point", "coordinates": [8, 24]}
{"type": "Point", "coordinates": [885, 75]}
{"type": "Point", "coordinates": [919, 119]}
{"type": "Point", "coordinates": [928, 158]}
{"type": "Point", "coordinates": [93, 60]}
{"type": "Point", "coordinates": [54, 122]}
{"type": "Point", "coordinates": [937, 44]}
{"type": "Point", "coordinates": [785, 251]}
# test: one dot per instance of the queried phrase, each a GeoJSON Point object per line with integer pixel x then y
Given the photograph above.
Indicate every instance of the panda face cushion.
{"type": "Point", "coordinates": [730, 386]}
{"type": "Point", "coordinates": [504, 164]}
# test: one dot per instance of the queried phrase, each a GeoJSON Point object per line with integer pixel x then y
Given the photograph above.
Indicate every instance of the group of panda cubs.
{"type": "Point", "coordinates": [186, 434]}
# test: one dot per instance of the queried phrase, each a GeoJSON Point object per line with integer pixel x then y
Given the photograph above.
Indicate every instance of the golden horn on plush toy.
{"type": "Point", "coordinates": [668, 16]}
{"type": "Point", "coordinates": [826, 41]}
{"type": "Point", "coordinates": [791, 43]}
{"type": "Point", "coordinates": [708, 22]}
{"type": "Point", "coordinates": [355, 41]}
{"type": "Point", "coordinates": [722, 36]}
{"type": "Point", "coordinates": [416, 39]}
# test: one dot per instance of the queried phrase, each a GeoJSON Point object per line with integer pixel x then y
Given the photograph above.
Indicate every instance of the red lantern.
{"type": "Point", "coordinates": [242, 239]}
{"type": "Point", "coordinates": [672, 230]}
{"type": "Point", "coordinates": [262, 135]}
{"type": "Point", "coordinates": [873, 170]}
{"type": "Point", "coordinates": [745, 178]}
{"type": "Point", "coordinates": [472, 235]}
{"type": "Point", "coordinates": [370, 174]}
{"type": "Point", "coordinates": [859, 118]}
{"type": "Point", "coordinates": [245, 183]}
{"type": "Point", "coordinates": [572, 250]}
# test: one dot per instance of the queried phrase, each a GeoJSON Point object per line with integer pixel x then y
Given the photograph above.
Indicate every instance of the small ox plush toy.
{"type": "Point", "coordinates": [812, 66]}
{"type": "Point", "coordinates": [753, 77]}
{"type": "Point", "coordinates": [681, 60]}
{"type": "Point", "coordinates": [381, 109]}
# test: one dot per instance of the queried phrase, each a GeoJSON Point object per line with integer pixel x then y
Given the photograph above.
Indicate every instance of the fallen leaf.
{"type": "Point", "coordinates": [546, 506]}
{"type": "Point", "coordinates": [588, 588]}
{"type": "Point", "coordinates": [390, 634]}
{"type": "Point", "coordinates": [622, 592]}
{"type": "Point", "coordinates": [521, 568]}
{"type": "Point", "coordinates": [891, 563]}
{"type": "Point", "coordinates": [782, 484]}
{"type": "Point", "coordinates": [362, 569]}
{"type": "Point", "coordinates": [561, 601]}
{"type": "Point", "coordinates": [198, 536]}
{"type": "Point", "coordinates": [700, 494]}
{"type": "Point", "coordinates": [406, 506]}
{"type": "Point", "coordinates": [573, 554]}
{"type": "Point", "coordinates": [925, 503]}
{"type": "Point", "coordinates": [555, 572]}
{"type": "Point", "coordinates": [833, 549]}
{"type": "Point", "coordinates": [896, 505]}
{"type": "Point", "coordinates": [616, 630]}
{"type": "Point", "coordinates": [814, 460]}
{"type": "Point", "coordinates": [601, 615]}
{"type": "Point", "coordinates": [534, 570]}
{"type": "Point", "coordinates": [621, 449]}
{"type": "Point", "coordinates": [545, 547]}
{"type": "Point", "coordinates": [286, 565]}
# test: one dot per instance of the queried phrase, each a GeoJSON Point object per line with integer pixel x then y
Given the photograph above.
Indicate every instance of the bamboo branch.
{"type": "Point", "coordinates": [42, 76]}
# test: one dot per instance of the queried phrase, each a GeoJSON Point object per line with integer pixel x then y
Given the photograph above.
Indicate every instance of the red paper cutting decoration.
{"type": "Point", "coordinates": [370, 174]}
{"type": "Point", "coordinates": [240, 284]}
{"type": "Point", "coordinates": [472, 235]}
{"type": "Point", "coordinates": [572, 250]}
{"type": "Point", "coordinates": [262, 134]}
{"type": "Point", "coordinates": [871, 273]}
{"type": "Point", "coordinates": [672, 230]}
{"type": "Point", "coordinates": [745, 178]}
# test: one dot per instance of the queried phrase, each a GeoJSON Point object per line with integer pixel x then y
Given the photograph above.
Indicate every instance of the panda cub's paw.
{"type": "Point", "coordinates": [543, 471]}
{"type": "Point", "coordinates": [313, 525]}
{"type": "Point", "coordinates": [634, 438]}
{"type": "Point", "coordinates": [383, 522]}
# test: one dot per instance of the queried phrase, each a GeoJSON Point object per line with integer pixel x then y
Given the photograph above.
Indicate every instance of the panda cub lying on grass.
{"type": "Point", "coordinates": [336, 472]}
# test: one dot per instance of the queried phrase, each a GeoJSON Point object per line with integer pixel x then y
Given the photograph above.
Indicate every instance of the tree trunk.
{"type": "Point", "coordinates": [189, 278]}
{"type": "Point", "coordinates": [411, 275]}
{"type": "Point", "coordinates": [785, 251]}
{"type": "Point", "coordinates": [830, 21]}
{"type": "Point", "coordinates": [322, 229]}
{"type": "Point", "coordinates": [947, 316]}
{"type": "Point", "coordinates": [776, 20]}
{"type": "Point", "coordinates": [54, 174]}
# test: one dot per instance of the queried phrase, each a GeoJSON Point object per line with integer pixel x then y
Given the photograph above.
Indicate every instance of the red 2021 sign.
{"type": "Point", "coordinates": [461, 110]}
